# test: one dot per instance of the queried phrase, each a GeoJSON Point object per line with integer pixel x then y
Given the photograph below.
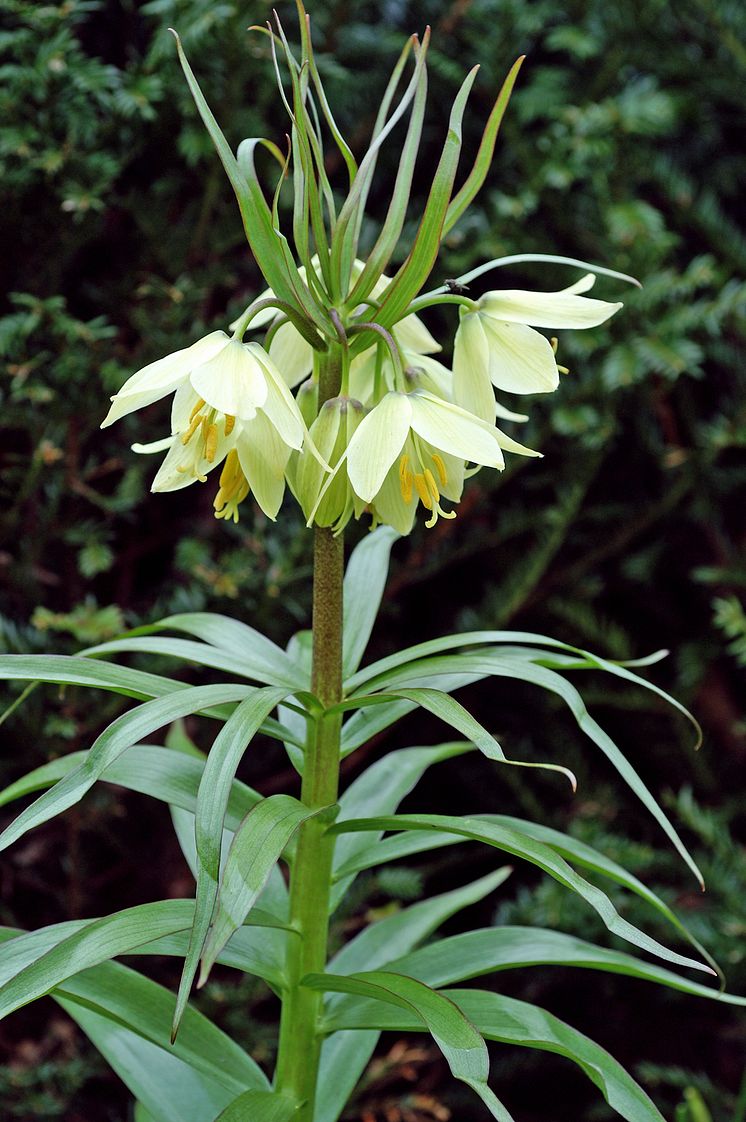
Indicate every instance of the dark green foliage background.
{"type": "Point", "coordinates": [121, 243]}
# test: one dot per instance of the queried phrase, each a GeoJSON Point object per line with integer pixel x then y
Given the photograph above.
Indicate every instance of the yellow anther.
{"type": "Point", "coordinates": [229, 468]}
{"type": "Point", "coordinates": [432, 486]}
{"type": "Point", "coordinates": [440, 467]}
{"type": "Point", "coordinates": [220, 499]}
{"type": "Point", "coordinates": [229, 424]}
{"type": "Point", "coordinates": [211, 443]}
{"type": "Point", "coordinates": [205, 425]}
{"type": "Point", "coordinates": [197, 409]}
{"type": "Point", "coordinates": [554, 343]}
{"type": "Point", "coordinates": [422, 491]}
{"type": "Point", "coordinates": [405, 479]}
{"type": "Point", "coordinates": [194, 425]}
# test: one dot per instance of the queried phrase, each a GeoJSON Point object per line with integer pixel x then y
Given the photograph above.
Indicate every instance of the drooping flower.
{"type": "Point", "coordinates": [230, 403]}
{"type": "Point", "coordinates": [412, 448]}
{"type": "Point", "coordinates": [498, 346]}
{"type": "Point", "coordinates": [331, 433]}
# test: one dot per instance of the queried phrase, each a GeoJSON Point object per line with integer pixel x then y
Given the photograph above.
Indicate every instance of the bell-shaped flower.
{"type": "Point", "coordinates": [417, 443]}
{"type": "Point", "coordinates": [498, 346]}
{"type": "Point", "coordinates": [331, 433]}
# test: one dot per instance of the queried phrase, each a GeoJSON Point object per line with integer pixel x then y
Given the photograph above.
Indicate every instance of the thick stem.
{"type": "Point", "coordinates": [310, 881]}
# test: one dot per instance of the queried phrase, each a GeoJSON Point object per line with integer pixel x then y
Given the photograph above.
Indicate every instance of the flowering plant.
{"type": "Point", "coordinates": [378, 429]}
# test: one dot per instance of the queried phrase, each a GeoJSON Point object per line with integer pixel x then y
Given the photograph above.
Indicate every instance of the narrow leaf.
{"type": "Point", "coordinates": [113, 741]}
{"type": "Point", "coordinates": [259, 1106]}
{"type": "Point", "coordinates": [461, 1044]}
{"type": "Point", "coordinates": [545, 858]}
{"type": "Point", "coordinates": [365, 580]}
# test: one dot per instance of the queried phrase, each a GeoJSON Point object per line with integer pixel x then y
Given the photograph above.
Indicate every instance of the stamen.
{"type": "Point", "coordinates": [432, 486]}
{"type": "Point", "coordinates": [211, 443]}
{"type": "Point", "coordinates": [422, 491]}
{"type": "Point", "coordinates": [194, 425]}
{"type": "Point", "coordinates": [229, 424]}
{"type": "Point", "coordinates": [405, 479]}
{"type": "Point", "coordinates": [197, 409]}
{"type": "Point", "coordinates": [440, 467]}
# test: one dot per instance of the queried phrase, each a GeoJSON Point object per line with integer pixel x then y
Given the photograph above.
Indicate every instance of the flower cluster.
{"type": "Point", "coordinates": [378, 424]}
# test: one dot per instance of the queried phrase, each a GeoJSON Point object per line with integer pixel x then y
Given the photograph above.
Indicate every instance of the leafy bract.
{"type": "Point", "coordinates": [543, 856]}
{"type": "Point", "coordinates": [461, 1044]}
{"type": "Point", "coordinates": [120, 735]}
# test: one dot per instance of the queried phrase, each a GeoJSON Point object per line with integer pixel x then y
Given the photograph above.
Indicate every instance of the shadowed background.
{"type": "Point", "coordinates": [122, 243]}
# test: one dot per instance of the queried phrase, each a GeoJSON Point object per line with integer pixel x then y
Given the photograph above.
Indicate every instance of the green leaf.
{"type": "Point", "coordinates": [120, 735]}
{"type": "Point", "coordinates": [386, 940]}
{"type": "Point", "coordinates": [204, 654]}
{"type": "Point", "coordinates": [521, 845]}
{"type": "Point", "coordinates": [578, 853]}
{"type": "Point", "coordinates": [255, 651]}
{"type": "Point", "coordinates": [142, 1115]}
{"type": "Point", "coordinates": [364, 724]}
{"type": "Point", "coordinates": [365, 579]}
{"type": "Point", "coordinates": [212, 802]}
{"type": "Point", "coordinates": [488, 664]}
{"type": "Point", "coordinates": [95, 942]}
{"type": "Point", "coordinates": [69, 670]}
{"type": "Point", "coordinates": [461, 1044]}
{"type": "Point", "coordinates": [256, 848]}
{"type": "Point", "coordinates": [516, 1022]}
{"type": "Point", "coordinates": [259, 1106]}
{"type": "Point", "coordinates": [344, 1058]}
{"type": "Point", "coordinates": [170, 776]}
{"type": "Point", "coordinates": [146, 1008]}
{"type": "Point", "coordinates": [379, 790]}
{"type": "Point", "coordinates": [473, 953]}
{"type": "Point", "coordinates": [474, 181]}
{"type": "Point", "coordinates": [447, 709]}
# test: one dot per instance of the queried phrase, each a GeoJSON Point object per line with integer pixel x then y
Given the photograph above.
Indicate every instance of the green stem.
{"type": "Point", "coordinates": [310, 880]}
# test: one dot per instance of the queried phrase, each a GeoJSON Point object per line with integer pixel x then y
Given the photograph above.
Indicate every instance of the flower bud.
{"type": "Point", "coordinates": [331, 433]}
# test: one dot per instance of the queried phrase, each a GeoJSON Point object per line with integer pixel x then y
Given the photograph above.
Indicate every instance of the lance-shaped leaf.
{"type": "Point", "coordinates": [388, 939]}
{"type": "Point", "coordinates": [576, 852]}
{"type": "Point", "coordinates": [71, 670]}
{"type": "Point", "coordinates": [204, 654]}
{"type": "Point", "coordinates": [467, 193]}
{"type": "Point", "coordinates": [414, 272]}
{"type": "Point", "coordinates": [344, 1058]}
{"type": "Point", "coordinates": [474, 953]}
{"type": "Point", "coordinates": [256, 848]}
{"type": "Point", "coordinates": [169, 776]}
{"type": "Point", "coordinates": [499, 665]}
{"type": "Point", "coordinates": [447, 709]}
{"type": "Point", "coordinates": [212, 801]}
{"type": "Point", "coordinates": [259, 1106]}
{"type": "Point", "coordinates": [130, 1026]}
{"type": "Point", "coordinates": [256, 652]}
{"type": "Point", "coordinates": [379, 790]}
{"type": "Point", "coordinates": [267, 244]}
{"type": "Point", "coordinates": [461, 1044]}
{"type": "Point", "coordinates": [364, 582]}
{"type": "Point", "coordinates": [516, 1022]}
{"type": "Point", "coordinates": [113, 741]}
{"type": "Point", "coordinates": [365, 724]}
{"type": "Point", "coordinates": [545, 858]}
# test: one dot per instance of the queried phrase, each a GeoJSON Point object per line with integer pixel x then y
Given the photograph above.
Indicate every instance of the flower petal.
{"type": "Point", "coordinates": [546, 309]}
{"type": "Point", "coordinates": [232, 382]}
{"type": "Point", "coordinates": [263, 456]}
{"type": "Point", "coordinates": [377, 443]}
{"type": "Point", "coordinates": [472, 389]}
{"type": "Point", "coordinates": [291, 354]}
{"type": "Point", "coordinates": [412, 335]}
{"type": "Point", "coordinates": [521, 359]}
{"type": "Point", "coordinates": [451, 429]}
{"type": "Point", "coordinates": [280, 405]}
{"type": "Point", "coordinates": [162, 377]}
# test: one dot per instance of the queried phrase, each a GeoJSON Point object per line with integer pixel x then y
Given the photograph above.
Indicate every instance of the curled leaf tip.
{"type": "Point", "coordinates": [175, 34]}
